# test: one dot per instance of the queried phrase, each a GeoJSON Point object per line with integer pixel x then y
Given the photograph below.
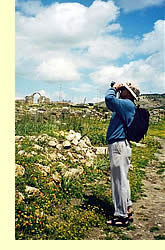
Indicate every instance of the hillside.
{"type": "Point", "coordinates": [62, 175]}
{"type": "Point", "coordinates": [149, 101]}
{"type": "Point", "coordinates": [155, 103]}
{"type": "Point", "coordinates": [152, 101]}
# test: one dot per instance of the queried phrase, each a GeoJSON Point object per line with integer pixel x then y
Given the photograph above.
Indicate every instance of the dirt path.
{"type": "Point", "coordinates": [149, 211]}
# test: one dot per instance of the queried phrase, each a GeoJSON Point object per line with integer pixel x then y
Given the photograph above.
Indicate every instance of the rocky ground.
{"type": "Point", "coordinates": [149, 219]}
{"type": "Point", "coordinates": [70, 154]}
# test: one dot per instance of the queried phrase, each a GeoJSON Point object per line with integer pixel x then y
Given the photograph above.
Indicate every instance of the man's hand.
{"type": "Point", "coordinates": [117, 86]}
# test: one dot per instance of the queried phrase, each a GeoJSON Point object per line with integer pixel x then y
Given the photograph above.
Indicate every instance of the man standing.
{"type": "Point", "coordinates": [123, 109]}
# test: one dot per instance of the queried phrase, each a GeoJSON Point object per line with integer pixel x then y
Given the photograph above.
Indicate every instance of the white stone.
{"type": "Point", "coordinates": [56, 177]}
{"type": "Point", "coordinates": [83, 151]}
{"type": "Point", "coordinates": [101, 150]}
{"type": "Point", "coordinates": [71, 131]}
{"type": "Point", "coordinates": [43, 137]}
{"type": "Point", "coordinates": [83, 161]}
{"type": "Point", "coordinates": [52, 156]}
{"type": "Point", "coordinates": [61, 156]}
{"type": "Point", "coordinates": [75, 141]}
{"type": "Point", "coordinates": [62, 133]}
{"type": "Point", "coordinates": [82, 144]}
{"type": "Point", "coordinates": [33, 153]}
{"type": "Point", "coordinates": [70, 155]}
{"type": "Point", "coordinates": [65, 110]}
{"type": "Point", "coordinates": [90, 154]}
{"type": "Point", "coordinates": [46, 149]}
{"type": "Point", "coordinates": [89, 163]}
{"type": "Point", "coordinates": [21, 152]}
{"type": "Point", "coordinates": [19, 170]}
{"type": "Point", "coordinates": [80, 156]}
{"type": "Point", "coordinates": [77, 149]}
{"type": "Point", "coordinates": [59, 146]}
{"type": "Point", "coordinates": [31, 137]}
{"type": "Point", "coordinates": [40, 111]}
{"type": "Point", "coordinates": [70, 137]}
{"type": "Point", "coordinates": [32, 109]}
{"type": "Point", "coordinates": [45, 169]}
{"type": "Point", "coordinates": [140, 145]}
{"type": "Point", "coordinates": [74, 172]}
{"type": "Point", "coordinates": [18, 138]}
{"type": "Point", "coordinates": [29, 155]}
{"type": "Point", "coordinates": [36, 146]}
{"type": "Point", "coordinates": [75, 160]}
{"type": "Point", "coordinates": [20, 197]}
{"type": "Point", "coordinates": [78, 136]}
{"type": "Point", "coordinates": [87, 141]}
{"type": "Point", "coordinates": [32, 190]}
{"type": "Point", "coordinates": [66, 144]}
{"type": "Point", "coordinates": [131, 167]}
{"type": "Point", "coordinates": [52, 143]}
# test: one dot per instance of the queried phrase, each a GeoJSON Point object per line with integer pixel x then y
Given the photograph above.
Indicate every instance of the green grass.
{"type": "Point", "coordinates": [154, 229]}
{"type": "Point", "coordinates": [157, 129]}
{"type": "Point", "coordinates": [30, 125]}
{"type": "Point", "coordinates": [140, 160]}
{"type": "Point", "coordinates": [51, 214]}
{"type": "Point", "coordinates": [95, 129]}
{"type": "Point", "coordinates": [159, 237]}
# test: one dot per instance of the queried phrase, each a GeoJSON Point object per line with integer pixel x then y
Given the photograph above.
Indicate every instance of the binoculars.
{"type": "Point", "coordinates": [112, 84]}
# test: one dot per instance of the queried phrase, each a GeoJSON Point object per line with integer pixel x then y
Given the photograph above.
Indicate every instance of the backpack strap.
{"type": "Point", "coordinates": [124, 123]}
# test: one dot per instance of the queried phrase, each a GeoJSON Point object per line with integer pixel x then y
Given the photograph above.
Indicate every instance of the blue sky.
{"type": "Point", "coordinates": [73, 49]}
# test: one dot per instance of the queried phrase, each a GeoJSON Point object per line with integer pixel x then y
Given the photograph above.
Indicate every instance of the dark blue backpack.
{"type": "Point", "coordinates": [139, 126]}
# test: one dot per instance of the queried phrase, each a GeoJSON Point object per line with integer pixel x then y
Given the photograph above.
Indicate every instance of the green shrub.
{"type": "Point", "coordinates": [51, 214]}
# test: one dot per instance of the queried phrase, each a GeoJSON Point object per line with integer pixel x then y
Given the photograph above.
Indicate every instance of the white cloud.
{"type": "Point", "coordinates": [148, 73]}
{"type": "Point", "coordinates": [58, 69]}
{"type": "Point", "coordinates": [115, 27]}
{"type": "Point", "coordinates": [57, 42]}
{"type": "Point", "coordinates": [153, 41]}
{"type": "Point", "coordinates": [111, 47]}
{"type": "Point", "coordinates": [83, 88]}
{"type": "Point", "coordinates": [44, 42]}
{"type": "Point", "coordinates": [100, 14]}
{"type": "Point", "coordinates": [69, 22]}
{"type": "Point", "coordinates": [133, 5]}
{"type": "Point", "coordinates": [141, 72]}
{"type": "Point", "coordinates": [156, 61]}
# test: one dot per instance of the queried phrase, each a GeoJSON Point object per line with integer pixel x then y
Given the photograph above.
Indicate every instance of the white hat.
{"type": "Point", "coordinates": [135, 92]}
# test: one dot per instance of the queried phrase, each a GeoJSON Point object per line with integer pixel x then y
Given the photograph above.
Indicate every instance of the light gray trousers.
{"type": "Point", "coordinates": [120, 156]}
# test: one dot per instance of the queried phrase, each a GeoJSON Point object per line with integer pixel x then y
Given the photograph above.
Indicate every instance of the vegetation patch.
{"type": "Point", "coordinates": [154, 229]}
{"type": "Point", "coordinates": [158, 129]}
{"type": "Point", "coordinates": [61, 194]}
{"type": "Point", "coordinates": [161, 168]}
{"type": "Point", "coordinates": [159, 237]}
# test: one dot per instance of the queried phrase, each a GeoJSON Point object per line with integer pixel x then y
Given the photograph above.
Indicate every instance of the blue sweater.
{"type": "Point", "coordinates": [123, 109]}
